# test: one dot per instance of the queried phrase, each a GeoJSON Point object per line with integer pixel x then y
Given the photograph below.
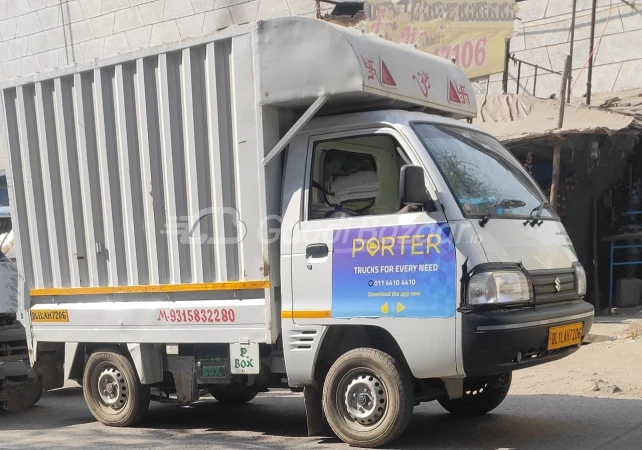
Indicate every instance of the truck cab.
{"type": "Point", "coordinates": [424, 237]}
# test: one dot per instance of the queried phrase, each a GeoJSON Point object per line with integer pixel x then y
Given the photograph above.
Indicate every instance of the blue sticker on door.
{"type": "Point", "coordinates": [400, 271]}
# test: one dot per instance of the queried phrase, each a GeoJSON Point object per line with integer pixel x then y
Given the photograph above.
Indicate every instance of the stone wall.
{"type": "Point", "coordinates": [44, 35]}
{"type": "Point", "coordinates": [543, 38]}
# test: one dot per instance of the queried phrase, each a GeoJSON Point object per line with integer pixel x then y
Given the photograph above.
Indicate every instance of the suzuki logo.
{"type": "Point", "coordinates": [558, 284]}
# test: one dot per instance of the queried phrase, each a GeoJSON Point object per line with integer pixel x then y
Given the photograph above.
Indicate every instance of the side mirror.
{"type": "Point", "coordinates": [412, 186]}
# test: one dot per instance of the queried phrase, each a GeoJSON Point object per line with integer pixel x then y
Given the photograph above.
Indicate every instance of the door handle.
{"type": "Point", "coordinates": [316, 251]}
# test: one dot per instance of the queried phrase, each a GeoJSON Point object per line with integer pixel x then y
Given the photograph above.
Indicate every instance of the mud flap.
{"type": "Point", "coordinates": [183, 369]}
{"type": "Point", "coordinates": [454, 387]}
{"type": "Point", "coordinates": [20, 386]}
{"type": "Point", "coordinates": [313, 410]}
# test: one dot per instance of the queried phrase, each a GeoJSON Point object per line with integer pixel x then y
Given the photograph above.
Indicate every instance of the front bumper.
{"type": "Point", "coordinates": [497, 342]}
{"type": "Point", "coordinates": [20, 386]}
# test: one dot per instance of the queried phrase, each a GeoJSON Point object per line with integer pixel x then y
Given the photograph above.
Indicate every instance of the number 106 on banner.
{"type": "Point", "coordinates": [467, 54]}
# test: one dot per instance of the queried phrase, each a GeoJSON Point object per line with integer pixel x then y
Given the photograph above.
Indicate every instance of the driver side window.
{"type": "Point", "coordinates": [355, 176]}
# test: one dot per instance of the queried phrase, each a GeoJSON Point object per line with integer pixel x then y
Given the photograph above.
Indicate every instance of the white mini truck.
{"type": "Point", "coordinates": [281, 204]}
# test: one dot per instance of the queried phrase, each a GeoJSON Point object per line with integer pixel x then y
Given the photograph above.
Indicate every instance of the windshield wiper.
{"type": "Point", "coordinates": [508, 203]}
{"type": "Point", "coordinates": [536, 219]}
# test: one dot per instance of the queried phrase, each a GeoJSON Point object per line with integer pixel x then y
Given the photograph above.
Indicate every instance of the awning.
{"type": "Point", "coordinates": [623, 102]}
{"type": "Point", "coordinates": [516, 119]}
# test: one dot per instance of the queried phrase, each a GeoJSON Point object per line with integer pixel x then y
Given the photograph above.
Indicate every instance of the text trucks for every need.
{"type": "Point", "coordinates": [268, 207]}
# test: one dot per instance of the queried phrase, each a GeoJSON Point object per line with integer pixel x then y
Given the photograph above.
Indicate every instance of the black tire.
{"type": "Point", "coordinates": [128, 403]}
{"type": "Point", "coordinates": [480, 396]}
{"type": "Point", "coordinates": [234, 397]}
{"type": "Point", "coordinates": [388, 390]}
{"type": "Point", "coordinates": [39, 395]}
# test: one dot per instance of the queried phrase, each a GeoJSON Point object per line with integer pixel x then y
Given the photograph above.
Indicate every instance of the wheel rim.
{"type": "Point", "coordinates": [110, 388]}
{"type": "Point", "coordinates": [362, 398]}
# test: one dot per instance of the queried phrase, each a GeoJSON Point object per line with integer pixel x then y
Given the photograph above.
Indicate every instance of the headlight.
{"type": "Point", "coordinates": [501, 287]}
{"type": "Point", "coordinates": [580, 279]}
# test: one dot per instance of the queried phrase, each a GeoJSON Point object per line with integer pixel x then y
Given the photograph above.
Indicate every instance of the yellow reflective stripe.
{"type": "Point", "coordinates": [149, 289]}
{"type": "Point", "coordinates": [306, 314]}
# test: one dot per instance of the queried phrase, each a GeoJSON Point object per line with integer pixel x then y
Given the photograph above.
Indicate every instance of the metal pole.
{"type": "Point", "coordinates": [589, 78]}
{"type": "Point", "coordinates": [565, 78]}
{"type": "Point", "coordinates": [570, 76]}
{"type": "Point", "coordinates": [519, 74]}
{"type": "Point", "coordinates": [611, 277]}
{"type": "Point", "coordinates": [595, 297]}
{"type": "Point", "coordinates": [557, 152]}
{"type": "Point", "coordinates": [535, 81]}
{"type": "Point", "coordinates": [506, 61]}
{"type": "Point", "coordinates": [557, 149]}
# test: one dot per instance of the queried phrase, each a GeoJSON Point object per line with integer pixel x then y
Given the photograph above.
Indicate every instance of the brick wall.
{"type": "Point", "coordinates": [543, 38]}
{"type": "Point", "coordinates": [44, 35]}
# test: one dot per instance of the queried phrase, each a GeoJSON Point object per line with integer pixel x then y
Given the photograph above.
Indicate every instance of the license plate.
{"type": "Point", "coordinates": [212, 370]}
{"type": "Point", "coordinates": [49, 315]}
{"type": "Point", "coordinates": [564, 336]}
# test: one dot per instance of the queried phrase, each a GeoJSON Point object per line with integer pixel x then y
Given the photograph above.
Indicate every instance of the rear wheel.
{"type": "Point", "coordinates": [39, 393]}
{"type": "Point", "coordinates": [112, 390]}
{"type": "Point", "coordinates": [481, 395]}
{"type": "Point", "coordinates": [234, 396]}
{"type": "Point", "coordinates": [368, 398]}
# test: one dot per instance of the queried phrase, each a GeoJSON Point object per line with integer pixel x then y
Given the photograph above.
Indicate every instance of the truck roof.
{"type": "Point", "coordinates": [300, 59]}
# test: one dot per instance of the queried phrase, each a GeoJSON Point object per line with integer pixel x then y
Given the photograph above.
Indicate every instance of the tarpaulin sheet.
{"type": "Point", "coordinates": [514, 119]}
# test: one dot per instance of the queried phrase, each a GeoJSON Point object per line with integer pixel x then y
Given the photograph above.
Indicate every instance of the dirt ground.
{"type": "Point", "coordinates": [607, 366]}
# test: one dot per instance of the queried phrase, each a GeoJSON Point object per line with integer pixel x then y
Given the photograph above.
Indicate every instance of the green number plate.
{"type": "Point", "coordinates": [213, 369]}
{"type": "Point", "coordinates": [212, 372]}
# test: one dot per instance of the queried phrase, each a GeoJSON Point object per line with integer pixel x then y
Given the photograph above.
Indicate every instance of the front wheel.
{"type": "Point", "coordinates": [368, 398]}
{"type": "Point", "coordinates": [481, 395]}
{"type": "Point", "coordinates": [112, 390]}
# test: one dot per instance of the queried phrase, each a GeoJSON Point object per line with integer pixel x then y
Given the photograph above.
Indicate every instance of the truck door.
{"type": "Point", "coordinates": [359, 256]}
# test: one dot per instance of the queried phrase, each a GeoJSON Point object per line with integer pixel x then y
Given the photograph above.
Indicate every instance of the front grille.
{"type": "Point", "coordinates": [13, 342]}
{"type": "Point", "coordinates": [545, 286]}
{"type": "Point", "coordinates": [13, 350]}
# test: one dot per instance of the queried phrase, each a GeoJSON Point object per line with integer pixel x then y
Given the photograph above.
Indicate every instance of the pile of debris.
{"type": "Point", "coordinates": [625, 102]}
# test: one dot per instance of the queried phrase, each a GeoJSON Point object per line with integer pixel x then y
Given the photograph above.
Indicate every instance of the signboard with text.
{"type": "Point", "coordinates": [470, 31]}
{"type": "Point", "coordinates": [400, 271]}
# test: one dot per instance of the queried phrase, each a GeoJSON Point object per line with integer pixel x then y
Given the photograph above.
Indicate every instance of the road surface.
{"type": "Point", "coordinates": [529, 419]}
{"type": "Point", "coordinates": [277, 421]}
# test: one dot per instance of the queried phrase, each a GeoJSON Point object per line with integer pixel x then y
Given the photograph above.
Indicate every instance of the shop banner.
{"type": "Point", "coordinates": [472, 32]}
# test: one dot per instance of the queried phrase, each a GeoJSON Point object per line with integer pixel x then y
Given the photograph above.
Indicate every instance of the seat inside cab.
{"type": "Point", "coordinates": [355, 176]}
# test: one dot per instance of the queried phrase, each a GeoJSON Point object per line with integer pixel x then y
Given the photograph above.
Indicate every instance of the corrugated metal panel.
{"type": "Point", "coordinates": [121, 172]}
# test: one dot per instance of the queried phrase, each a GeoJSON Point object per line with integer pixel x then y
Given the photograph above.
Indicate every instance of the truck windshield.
{"type": "Point", "coordinates": [481, 173]}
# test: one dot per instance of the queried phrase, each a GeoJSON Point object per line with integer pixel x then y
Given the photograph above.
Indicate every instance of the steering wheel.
{"type": "Point", "coordinates": [349, 212]}
{"type": "Point", "coordinates": [362, 209]}
{"type": "Point", "coordinates": [339, 209]}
